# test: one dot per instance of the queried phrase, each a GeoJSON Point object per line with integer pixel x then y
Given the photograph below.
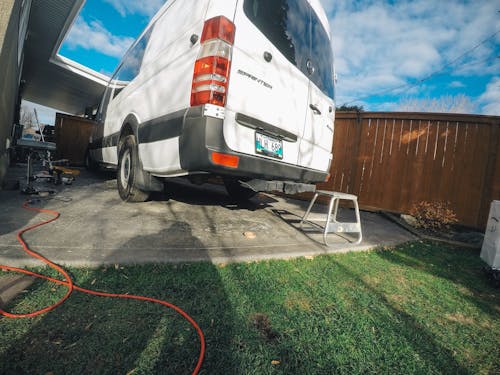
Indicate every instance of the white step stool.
{"type": "Point", "coordinates": [332, 225]}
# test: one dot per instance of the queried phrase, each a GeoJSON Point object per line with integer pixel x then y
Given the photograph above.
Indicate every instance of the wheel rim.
{"type": "Point", "coordinates": [125, 169]}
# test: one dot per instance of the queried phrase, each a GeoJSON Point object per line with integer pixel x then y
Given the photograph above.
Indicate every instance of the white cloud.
{"type": "Point", "coordinates": [380, 44]}
{"type": "Point", "coordinates": [94, 36]}
{"type": "Point", "coordinates": [456, 84]}
{"type": "Point", "coordinates": [490, 99]}
{"type": "Point", "coordinates": [127, 7]}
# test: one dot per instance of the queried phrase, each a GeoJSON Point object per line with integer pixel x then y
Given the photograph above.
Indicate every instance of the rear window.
{"type": "Point", "coordinates": [293, 27]}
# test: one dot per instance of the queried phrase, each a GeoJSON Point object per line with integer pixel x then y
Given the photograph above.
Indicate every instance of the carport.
{"type": "Point", "coordinates": [31, 33]}
{"type": "Point", "coordinates": [48, 78]}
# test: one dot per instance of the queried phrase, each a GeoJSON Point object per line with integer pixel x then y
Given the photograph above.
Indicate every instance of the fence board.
{"type": "Point", "coordinates": [394, 160]}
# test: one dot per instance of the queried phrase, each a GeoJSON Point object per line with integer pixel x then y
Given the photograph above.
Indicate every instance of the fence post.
{"type": "Point", "coordinates": [356, 181]}
{"type": "Point", "coordinates": [488, 189]}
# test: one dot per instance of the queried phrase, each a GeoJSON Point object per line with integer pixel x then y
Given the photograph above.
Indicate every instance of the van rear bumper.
{"type": "Point", "coordinates": [202, 135]}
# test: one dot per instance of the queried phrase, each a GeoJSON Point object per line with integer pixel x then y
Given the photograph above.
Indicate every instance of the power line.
{"type": "Point", "coordinates": [477, 62]}
{"type": "Point", "coordinates": [420, 81]}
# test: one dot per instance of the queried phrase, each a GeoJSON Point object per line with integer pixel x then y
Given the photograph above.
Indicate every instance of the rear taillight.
{"type": "Point", "coordinates": [218, 28]}
{"type": "Point", "coordinates": [211, 70]}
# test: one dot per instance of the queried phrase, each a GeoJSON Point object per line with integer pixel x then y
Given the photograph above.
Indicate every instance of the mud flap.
{"type": "Point", "coordinates": [146, 182]}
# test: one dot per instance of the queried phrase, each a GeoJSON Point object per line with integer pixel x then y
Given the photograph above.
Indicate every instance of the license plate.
{"type": "Point", "coordinates": [268, 146]}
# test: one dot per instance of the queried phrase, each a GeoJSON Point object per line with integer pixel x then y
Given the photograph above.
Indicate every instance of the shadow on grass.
{"type": "Point", "coordinates": [461, 266]}
{"type": "Point", "coordinates": [299, 316]}
{"type": "Point", "coordinates": [324, 329]}
{"type": "Point", "coordinates": [89, 334]}
{"type": "Point", "coordinates": [394, 322]}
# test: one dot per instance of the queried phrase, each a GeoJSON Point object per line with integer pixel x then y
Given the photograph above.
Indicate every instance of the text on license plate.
{"type": "Point", "coordinates": [268, 146]}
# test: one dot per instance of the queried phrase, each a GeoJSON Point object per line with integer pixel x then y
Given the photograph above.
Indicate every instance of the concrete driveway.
{"type": "Point", "coordinates": [190, 223]}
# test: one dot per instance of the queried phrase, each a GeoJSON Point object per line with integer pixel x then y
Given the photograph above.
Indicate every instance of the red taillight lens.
{"type": "Point", "coordinates": [211, 70]}
{"type": "Point", "coordinates": [210, 80]}
{"type": "Point", "coordinates": [218, 28]}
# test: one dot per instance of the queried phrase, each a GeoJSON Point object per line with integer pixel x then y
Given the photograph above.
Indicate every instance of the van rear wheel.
{"type": "Point", "coordinates": [236, 191]}
{"type": "Point", "coordinates": [90, 164]}
{"type": "Point", "coordinates": [128, 170]}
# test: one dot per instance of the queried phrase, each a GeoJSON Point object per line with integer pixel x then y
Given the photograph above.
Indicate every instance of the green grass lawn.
{"type": "Point", "coordinates": [420, 308]}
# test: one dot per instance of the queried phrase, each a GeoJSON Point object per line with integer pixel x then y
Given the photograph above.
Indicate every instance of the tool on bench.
{"type": "Point", "coordinates": [36, 149]}
{"type": "Point", "coordinates": [57, 172]}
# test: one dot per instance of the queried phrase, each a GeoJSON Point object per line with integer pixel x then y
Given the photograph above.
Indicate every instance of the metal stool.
{"type": "Point", "coordinates": [332, 225]}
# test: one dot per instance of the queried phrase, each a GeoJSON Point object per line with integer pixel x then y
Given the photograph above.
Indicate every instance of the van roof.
{"type": "Point", "coordinates": [315, 4]}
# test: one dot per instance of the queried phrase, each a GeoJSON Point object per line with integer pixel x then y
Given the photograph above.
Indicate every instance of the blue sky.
{"type": "Point", "coordinates": [103, 32]}
{"type": "Point", "coordinates": [389, 55]}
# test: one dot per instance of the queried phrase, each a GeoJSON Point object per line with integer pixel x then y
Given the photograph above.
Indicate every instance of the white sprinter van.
{"type": "Point", "coordinates": [241, 89]}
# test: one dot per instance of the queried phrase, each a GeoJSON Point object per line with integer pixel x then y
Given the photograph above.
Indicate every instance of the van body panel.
{"type": "Point", "coordinates": [316, 143]}
{"type": "Point", "coordinates": [109, 155]}
{"type": "Point", "coordinates": [241, 138]}
{"type": "Point", "coordinates": [158, 158]}
{"type": "Point", "coordinates": [224, 8]}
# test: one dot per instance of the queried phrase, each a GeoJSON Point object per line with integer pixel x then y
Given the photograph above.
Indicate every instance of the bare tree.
{"type": "Point", "coordinates": [27, 118]}
{"type": "Point", "coordinates": [445, 104]}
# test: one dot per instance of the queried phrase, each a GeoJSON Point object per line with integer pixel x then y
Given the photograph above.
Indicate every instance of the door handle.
{"type": "Point", "coordinates": [315, 109]}
{"type": "Point", "coordinates": [310, 67]}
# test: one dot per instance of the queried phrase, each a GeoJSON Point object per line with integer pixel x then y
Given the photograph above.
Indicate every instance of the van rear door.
{"type": "Point", "coordinates": [268, 91]}
{"type": "Point", "coordinates": [317, 136]}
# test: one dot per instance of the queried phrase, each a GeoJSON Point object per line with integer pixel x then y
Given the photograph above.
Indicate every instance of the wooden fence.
{"type": "Point", "coordinates": [72, 137]}
{"type": "Point", "coordinates": [394, 160]}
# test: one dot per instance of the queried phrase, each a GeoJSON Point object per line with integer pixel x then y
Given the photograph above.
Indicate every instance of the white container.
{"type": "Point", "coordinates": [490, 252]}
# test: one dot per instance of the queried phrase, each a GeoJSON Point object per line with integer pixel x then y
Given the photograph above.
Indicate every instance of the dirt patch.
{"type": "Point", "coordinates": [460, 318]}
{"type": "Point", "coordinates": [396, 299]}
{"type": "Point", "coordinates": [465, 291]}
{"type": "Point", "coordinates": [371, 281]}
{"type": "Point", "coordinates": [262, 323]}
{"type": "Point", "coordinates": [456, 234]}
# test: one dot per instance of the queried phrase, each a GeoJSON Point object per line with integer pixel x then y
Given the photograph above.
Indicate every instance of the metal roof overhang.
{"type": "Point", "coordinates": [49, 79]}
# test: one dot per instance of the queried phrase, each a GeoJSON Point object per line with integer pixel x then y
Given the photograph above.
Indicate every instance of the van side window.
{"type": "Point", "coordinates": [131, 63]}
{"type": "Point", "coordinates": [103, 106]}
{"type": "Point", "coordinates": [322, 58]}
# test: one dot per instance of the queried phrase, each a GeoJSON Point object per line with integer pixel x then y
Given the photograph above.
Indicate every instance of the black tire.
{"type": "Point", "coordinates": [90, 164]}
{"type": "Point", "coordinates": [236, 191]}
{"type": "Point", "coordinates": [128, 170]}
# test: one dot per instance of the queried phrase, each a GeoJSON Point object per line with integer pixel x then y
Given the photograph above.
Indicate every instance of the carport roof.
{"type": "Point", "coordinates": [50, 79]}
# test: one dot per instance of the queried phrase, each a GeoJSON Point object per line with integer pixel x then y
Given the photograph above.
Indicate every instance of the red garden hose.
{"type": "Point", "coordinates": [69, 284]}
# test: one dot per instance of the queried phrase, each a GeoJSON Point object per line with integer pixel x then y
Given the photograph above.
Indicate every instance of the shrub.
{"type": "Point", "coordinates": [434, 216]}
